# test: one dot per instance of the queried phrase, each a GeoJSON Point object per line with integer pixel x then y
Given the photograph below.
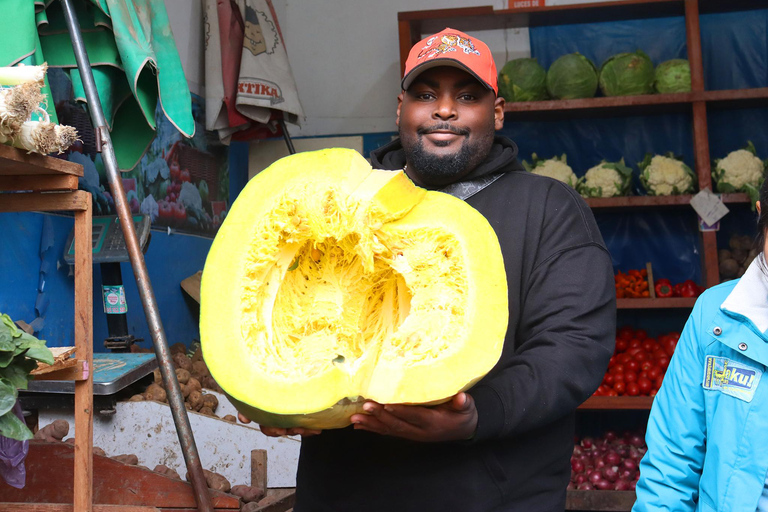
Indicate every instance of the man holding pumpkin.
{"type": "Point", "coordinates": [506, 443]}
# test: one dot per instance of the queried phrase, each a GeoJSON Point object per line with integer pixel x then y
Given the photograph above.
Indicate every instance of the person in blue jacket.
{"type": "Point", "coordinates": [707, 432]}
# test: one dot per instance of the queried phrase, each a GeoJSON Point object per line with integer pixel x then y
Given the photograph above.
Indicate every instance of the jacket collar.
{"type": "Point", "coordinates": [749, 298]}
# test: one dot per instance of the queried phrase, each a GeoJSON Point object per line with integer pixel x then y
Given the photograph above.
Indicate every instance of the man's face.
{"type": "Point", "coordinates": [447, 120]}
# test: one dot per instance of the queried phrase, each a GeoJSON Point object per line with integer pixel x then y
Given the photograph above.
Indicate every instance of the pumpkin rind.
{"type": "Point", "coordinates": [330, 283]}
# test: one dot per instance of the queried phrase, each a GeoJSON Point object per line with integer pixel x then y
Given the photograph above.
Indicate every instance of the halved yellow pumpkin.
{"type": "Point", "coordinates": [330, 283]}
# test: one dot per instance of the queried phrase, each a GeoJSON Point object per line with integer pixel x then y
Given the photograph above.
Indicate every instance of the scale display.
{"type": "Point", "coordinates": [108, 240]}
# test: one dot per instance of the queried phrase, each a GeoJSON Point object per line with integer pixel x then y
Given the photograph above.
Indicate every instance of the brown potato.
{"type": "Point", "coordinates": [247, 493]}
{"type": "Point", "coordinates": [156, 393]}
{"type": "Point", "coordinates": [165, 470]}
{"type": "Point", "coordinates": [210, 401]}
{"type": "Point", "coordinates": [129, 459]}
{"type": "Point", "coordinates": [55, 431]}
{"type": "Point", "coordinates": [198, 355]}
{"type": "Point", "coordinates": [178, 348]}
{"type": "Point", "coordinates": [182, 361]}
{"type": "Point", "coordinates": [729, 268]}
{"type": "Point", "coordinates": [194, 384]}
{"type": "Point", "coordinates": [206, 410]}
{"type": "Point", "coordinates": [136, 398]}
{"type": "Point", "coordinates": [158, 376]}
{"type": "Point", "coordinates": [182, 375]}
{"type": "Point", "coordinates": [195, 399]}
{"type": "Point", "coordinates": [230, 418]}
{"type": "Point", "coordinates": [200, 368]}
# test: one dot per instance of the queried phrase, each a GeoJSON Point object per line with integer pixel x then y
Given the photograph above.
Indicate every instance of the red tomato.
{"type": "Point", "coordinates": [641, 334]}
{"type": "Point", "coordinates": [632, 366]}
{"type": "Point", "coordinates": [650, 344]}
{"type": "Point", "coordinates": [654, 373]}
{"type": "Point", "coordinates": [641, 356]}
{"type": "Point", "coordinates": [608, 380]}
{"type": "Point", "coordinates": [623, 358]}
{"type": "Point", "coordinates": [618, 377]}
{"type": "Point", "coordinates": [611, 392]}
{"type": "Point", "coordinates": [652, 393]}
{"type": "Point", "coordinates": [633, 389]}
{"type": "Point", "coordinates": [642, 375]}
{"type": "Point", "coordinates": [630, 377]}
{"type": "Point", "coordinates": [620, 387]}
{"type": "Point", "coordinates": [644, 386]}
{"type": "Point", "coordinates": [658, 382]}
{"type": "Point", "coordinates": [669, 345]}
{"type": "Point", "coordinates": [663, 362]}
{"type": "Point", "coordinates": [625, 333]}
{"type": "Point", "coordinates": [621, 345]}
{"type": "Point", "coordinates": [611, 361]}
{"type": "Point", "coordinates": [617, 368]}
{"type": "Point", "coordinates": [635, 343]}
{"type": "Point", "coordinates": [646, 365]}
{"type": "Point", "coordinates": [659, 353]}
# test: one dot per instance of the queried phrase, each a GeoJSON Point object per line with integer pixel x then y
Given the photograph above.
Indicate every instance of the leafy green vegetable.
{"type": "Point", "coordinates": [627, 74]}
{"type": "Point", "coordinates": [18, 353]}
{"type": "Point", "coordinates": [673, 76]}
{"type": "Point", "coordinates": [572, 76]}
{"type": "Point", "coordinates": [523, 80]}
{"type": "Point", "coordinates": [13, 428]}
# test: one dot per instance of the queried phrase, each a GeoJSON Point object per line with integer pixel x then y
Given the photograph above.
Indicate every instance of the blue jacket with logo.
{"type": "Point", "coordinates": [708, 428]}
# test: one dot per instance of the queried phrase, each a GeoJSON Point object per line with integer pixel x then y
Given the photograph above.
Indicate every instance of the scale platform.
{"type": "Point", "coordinates": [111, 373]}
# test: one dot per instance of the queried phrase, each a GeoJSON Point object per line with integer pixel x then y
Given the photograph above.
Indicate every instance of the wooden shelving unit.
{"type": "Point", "coordinates": [414, 25]}
{"type": "Point", "coordinates": [31, 182]}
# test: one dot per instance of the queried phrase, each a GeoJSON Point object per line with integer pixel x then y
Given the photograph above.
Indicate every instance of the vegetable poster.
{"type": "Point", "coordinates": [181, 183]}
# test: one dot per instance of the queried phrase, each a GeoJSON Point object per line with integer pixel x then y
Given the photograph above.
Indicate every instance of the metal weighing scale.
{"type": "Point", "coordinates": [111, 374]}
{"type": "Point", "coordinates": [109, 250]}
{"type": "Point", "coordinates": [115, 371]}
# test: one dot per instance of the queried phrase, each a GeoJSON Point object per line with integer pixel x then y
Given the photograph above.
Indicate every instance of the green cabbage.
{"type": "Point", "coordinates": [572, 76]}
{"type": "Point", "coordinates": [673, 76]}
{"type": "Point", "coordinates": [627, 74]}
{"type": "Point", "coordinates": [523, 80]}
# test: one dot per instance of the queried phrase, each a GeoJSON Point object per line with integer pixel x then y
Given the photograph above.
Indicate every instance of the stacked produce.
{"type": "Point", "coordinates": [555, 167]}
{"type": "Point", "coordinates": [20, 98]}
{"type": "Point", "coordinates": [632, 284]}
{"type": "Point", "coordinates": [638, 364]}
{"type": "Point", "coordinates": [740, 171]}
{"type": "Point", "coordinates": [610, 462]}
{"type": "Point", "coordinates": [663, 175]}
{"type": "Point", "coordinates": [573, 76]}
{"type": "Point", "coordinates": [739, 255]}
{"type": "Point", "coordinates": [607, 179]}
{"type": "Point", "coordinates": [19, 353]}
{"type": "Point", "coordinates": [193, 376]}
{"type": "Point", "coordinates": [688, 289]}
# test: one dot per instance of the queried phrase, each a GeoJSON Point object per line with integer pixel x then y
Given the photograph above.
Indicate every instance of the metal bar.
{"type": "Point", "coordinates": [287, 137]}
{"type": "Point", "coordinates": [175, 398]}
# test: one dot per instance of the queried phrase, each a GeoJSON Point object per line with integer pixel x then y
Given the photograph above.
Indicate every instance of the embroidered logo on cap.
{"type": "Point", "coordinates": [448, 43]}
{"type": "Point", "coordinates": [731, 377]}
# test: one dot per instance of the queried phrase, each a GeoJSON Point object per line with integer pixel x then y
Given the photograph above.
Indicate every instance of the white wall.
{"type": "Point", "coordinates": [344, 55]}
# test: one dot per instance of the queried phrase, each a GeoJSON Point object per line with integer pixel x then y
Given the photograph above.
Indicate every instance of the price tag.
{"type": "Point", "coordinates": [525, 4]}
{"type": "Point", "coordinates": [709, 207]}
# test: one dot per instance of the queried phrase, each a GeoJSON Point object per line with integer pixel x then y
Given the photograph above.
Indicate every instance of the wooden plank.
{"type": "Point", "coordinates": [15, 161]}
{"type": "Point", "coordinates": [62, 507]}
{"type": "Point", "coordinates": [276, 500]}
{"type": "Point", "coordinates": [61, 359]}
{"type": "Point", "coordinates": [38, 183]}
{"type": "Point", "coordinates": [607, 501]}
{"type": "Point", "coordinates": [644, 100]}
{"type": "Point", "coordinates": [45, 202]}
{"type": "Point", "coordinates": [637, 403]}
{"type": "Point", "coordinates": [651, 281]}
{"type": "Point", "coordinates": [657, 303]}
{"type": "Point", "coordinates": [83, 477]}
{"type": "Point", "coordinates": [259, 469]}
{"type": "Point", "coordinates": [73, 369]}
{"type": "Point", "coordinates": [50, 475]}
{"type": "Point", "coordinates": [191, 285]}
{"type": "Point", "coordinates": [712, 271]}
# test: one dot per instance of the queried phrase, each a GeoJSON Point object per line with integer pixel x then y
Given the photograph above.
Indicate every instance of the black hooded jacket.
{"type": "Point", "coordinates": [560, 337]}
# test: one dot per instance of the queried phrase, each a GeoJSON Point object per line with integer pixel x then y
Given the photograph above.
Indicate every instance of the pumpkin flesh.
{"type": "Point", "coordinates": [342, 283]}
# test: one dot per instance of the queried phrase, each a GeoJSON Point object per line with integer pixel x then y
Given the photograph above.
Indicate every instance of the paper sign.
{"type": "Point", "coordinates": [525, 4]}
{"type": "Point", "coordinates": [709, 207]}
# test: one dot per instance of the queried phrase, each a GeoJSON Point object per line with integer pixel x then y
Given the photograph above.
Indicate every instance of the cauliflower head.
{"type": "Point", "coordinates": [556, 168]}
{"type": "Point", "coordinates": [740, 170]}
{"type": "Point", "coordinates": [665, 175]}
{"type": "Point", "coordinates": [606, 179]}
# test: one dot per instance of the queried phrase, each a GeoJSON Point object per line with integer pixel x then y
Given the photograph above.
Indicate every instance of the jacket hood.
{"type": "Point", "coordinates": [748, 296]}
{"type": "Point", "coordinates": [502, 158]}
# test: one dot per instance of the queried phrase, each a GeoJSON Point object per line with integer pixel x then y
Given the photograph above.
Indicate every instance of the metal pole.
{"type": "Point", "coordinates": [286, 136]}
{"type": "Point", "coordinates": [175, 398]}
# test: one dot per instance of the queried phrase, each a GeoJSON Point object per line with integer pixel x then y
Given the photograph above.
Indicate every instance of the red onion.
{"type": "Point", "coordinates": [595, 476]}
{"type": "Point", "coordinates": [612, 458]}
{"type": "Point", "coordinates": [585, 487]}
{"type": "Point", "coordinates": [621, 485]}
{"type": "Point", "coordinates": [604, 485]}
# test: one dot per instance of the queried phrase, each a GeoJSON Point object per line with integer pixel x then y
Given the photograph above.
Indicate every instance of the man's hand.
{"type": "Point", "coordinates": [278, 432]}
{"type": "Point", "coordinates": [454, 420]}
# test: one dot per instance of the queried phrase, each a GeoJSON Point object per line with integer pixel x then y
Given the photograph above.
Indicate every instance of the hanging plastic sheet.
{"type": "Point", "coordinates": [133, 55]}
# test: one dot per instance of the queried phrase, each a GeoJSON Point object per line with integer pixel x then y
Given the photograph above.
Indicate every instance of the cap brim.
{"type": "Point", "coordinates": [434, 63]}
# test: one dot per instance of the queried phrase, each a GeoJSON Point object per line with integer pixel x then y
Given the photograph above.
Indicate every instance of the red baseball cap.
{"type": "Point", "coordinates": [452, 48]}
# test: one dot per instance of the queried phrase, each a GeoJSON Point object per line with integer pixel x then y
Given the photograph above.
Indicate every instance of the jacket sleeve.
{"type": "Point", "coordinates": [556, 356]}
{"type": "Point", "coordinates": [671, 468]}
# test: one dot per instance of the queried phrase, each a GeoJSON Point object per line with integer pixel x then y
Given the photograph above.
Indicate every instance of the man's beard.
{"type": "Point", "coordinates": [440, 168]}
